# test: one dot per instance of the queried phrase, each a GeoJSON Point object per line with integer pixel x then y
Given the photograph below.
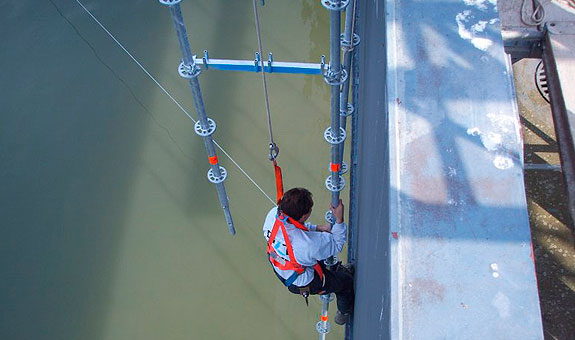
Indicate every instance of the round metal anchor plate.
{"type": "Point", "coordinates": [215, 179]}
{"type": "Point", "coordinates": [327, 297]}
{"type": "Point", "coordinates": [169, 2]}
{"type": "Point", "coordinates": [335, 78]}
{"type": "Point", "coordinates": [323, 329]}
{"type": "Point", "coordinates": [541, 81]}
{"type": "Point", "coordinates": [331, 139]}
{"type": "Point", "coordinates": [329, 218]}
{"type": "Point", "coordinates": [335, 5]}
{"type": "Point", "coordinates": [204, 132]}
{"type": "Point", "coordinates": [189, 71]}
{"type": "Point", "coordinates": [332, 187]}
{"type": "Point", "coordinates": [348, 112]}
{"type": "Point", "coordinates": [349, 45]}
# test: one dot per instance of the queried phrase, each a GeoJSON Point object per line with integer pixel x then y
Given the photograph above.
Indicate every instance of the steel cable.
{"type": "Point", "coordinates": [273, 147]}
{"type": "Point", "coordinates": [169, 95]}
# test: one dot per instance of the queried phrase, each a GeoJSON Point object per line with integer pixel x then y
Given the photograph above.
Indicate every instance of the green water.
{"type": "Point", "coordinates": [110, 228]}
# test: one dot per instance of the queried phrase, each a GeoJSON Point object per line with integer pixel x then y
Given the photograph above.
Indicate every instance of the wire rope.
{"type": "Point", "coordinates": [537, 16]}
{"type": "Point", "coordinates": [169, 95]}
{"type": "Point", "coordinates": [273, 147]}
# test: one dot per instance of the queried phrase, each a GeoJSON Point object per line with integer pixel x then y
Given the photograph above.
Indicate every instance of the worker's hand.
{"type": "Point", "coordinates": [338, 212]}
{"type": "Point", "coordinates": [325, 228]}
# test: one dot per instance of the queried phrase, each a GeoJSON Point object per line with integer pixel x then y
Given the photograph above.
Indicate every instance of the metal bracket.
{"type": "Point", "coordinates": [169, 2]}
{"type": "Point", "coordinates": [335, 5]}
{"type": "Point", "coordinates": [204, 132]}
{"type": "Point", "coordinates": [347, 45]}
{"type": "Point", "coordinates": [215, 179]}
{"type": "Point", "coordinates": [335, 78]}
{"type": "Point", "coordinates": [331, 186]}
{"type": "Point", "coordinates": [257, 62]}
{"type": "Point", "coordinates": [348, 112]}
{"type": "Point", "coordinates": [270, 61]}
{"type": "Point", "coordinates": [189, 71]}
{"type": "Point", "coordinates": [331, 139]}
{"type": "Point", "coordinates": [206, 59]}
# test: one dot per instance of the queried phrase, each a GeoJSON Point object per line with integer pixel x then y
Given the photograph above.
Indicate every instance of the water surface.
{"type": "Point", "coordinates": [111, 229]}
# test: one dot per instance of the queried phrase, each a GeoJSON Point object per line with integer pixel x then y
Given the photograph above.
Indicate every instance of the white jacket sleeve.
{"type": "Point", "coordinates": [330, 244]}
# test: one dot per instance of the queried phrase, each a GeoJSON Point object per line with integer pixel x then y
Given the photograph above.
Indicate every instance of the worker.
{"type": "Point", "coordinates": [296, 249]}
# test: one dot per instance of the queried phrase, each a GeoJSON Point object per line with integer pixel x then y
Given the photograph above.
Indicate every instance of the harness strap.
{"type": "Point", "coordinates": [292, 263]}
{"type": "Point", "coordinates": [279, 182]}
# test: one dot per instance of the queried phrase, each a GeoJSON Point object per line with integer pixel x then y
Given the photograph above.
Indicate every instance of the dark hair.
{"type": "Point", "coordinates": [296, 202]}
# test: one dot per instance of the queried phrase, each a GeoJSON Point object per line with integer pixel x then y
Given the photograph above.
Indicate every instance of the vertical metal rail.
{"type": "Point", "coordinates": [352, 225]}
{"type": "Point", "coordinates": [205, 126]}
{"type": "Point", "coordinates": [335, 134]}
{"type": "Point", "coordinates": [349, 40]}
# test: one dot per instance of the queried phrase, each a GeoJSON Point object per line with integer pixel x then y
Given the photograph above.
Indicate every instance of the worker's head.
{"type": "Point", "coordinates": [297, 204]}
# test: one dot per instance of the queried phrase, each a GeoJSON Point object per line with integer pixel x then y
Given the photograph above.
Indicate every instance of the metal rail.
{"type": "Point", "coordinates": [205, 126]}
{"type": "Point", "coordinates": [559, 59]}
{"type": "Point", "coordinates": [270, 66]}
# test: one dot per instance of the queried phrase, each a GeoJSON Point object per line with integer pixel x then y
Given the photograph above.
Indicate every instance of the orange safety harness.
{"type": "Point", "coordinates": [275, 259]}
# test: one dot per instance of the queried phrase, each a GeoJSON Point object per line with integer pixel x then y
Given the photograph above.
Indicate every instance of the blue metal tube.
{"type": "Point", "coordinates": [188, 60]}
{"type": "Point", "coordinates": [248, 66]}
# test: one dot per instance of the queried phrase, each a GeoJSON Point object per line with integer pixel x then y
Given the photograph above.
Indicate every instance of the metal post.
{"type": "Point", "coordinates": [323, 326]}
{"type": "Point", "coordinates": [334, 135]}
{"type": "Point", "coordinates": [205, 126]}
{"type": "Point", "coordinates": [335, 76]}
{"type": "Point", "coordinates": [349, 39]}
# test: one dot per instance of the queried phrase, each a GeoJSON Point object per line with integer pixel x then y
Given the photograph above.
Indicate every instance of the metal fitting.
{"type": "Point", "coordinates": [348, 112]}
{"type": "Point", "coordinates": [169, 2]}
{"type": "Point", "coordinates": [331, 139]}
{"type": "Point", "coordinates": [332, 187]}
{"type": "Point", "coordinates": [205, 131]}
{"type": "Point", "coordinates": [215, 179]}
{"type": "Point", "coordinates": [347, 45]}
{"type": "Point", "coordinates": [206, 59]}
{"type": "Point", "coordinates": [189, 71]}
{"type": "Point", "coordinates": [331, 296]}
{"type": "Point", "coordinates": [344, 168]}
{"type": "Point", "coordinates": [329, 218]}
{"type": "Point", "coordinates": [335, 5]}
{"type": "Point", "coordinates": [323, 327]}
{"type": "Point", "coordinates": [335, 78]}
{"type": "Point", "coordinates": [270, 61]}
{"type": "Point", "coordinates": [274, 151]}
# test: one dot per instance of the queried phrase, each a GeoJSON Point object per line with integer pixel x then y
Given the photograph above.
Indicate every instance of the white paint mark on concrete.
{"type": "Point", "coordinates": [492, 141]}
{"type": "Point", "coordinates": [502, 162]}
{"type": "Point", "coordinates": [479, 27]}
{"type": "Point", "coordinates": [480, 4]}
{"type": "Point", "coordinates": [475, 31]}
{"type": "Point", "coordinates": [473, 131]}
{"type": "Point", "coordinates": [495, 269]}
{"type": "Point", "coordinates": [502, 304]}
